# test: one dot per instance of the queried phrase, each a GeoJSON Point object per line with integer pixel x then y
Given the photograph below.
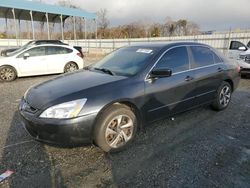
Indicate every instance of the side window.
{"type": "Point", "coordinates": [203, 56]}
{"type": "Point", "coordinates": [248, 44]}
{"type": "Point", "coordinates": [175, 59]}
{"type": "Point", "coordinates": [217, 59]}
{"type": "Point", "coordinates": [53, 50]}
{"type": "Point", "coordinates": [235, 45]}
{"type": "Point", "coordinates": [36, 51]}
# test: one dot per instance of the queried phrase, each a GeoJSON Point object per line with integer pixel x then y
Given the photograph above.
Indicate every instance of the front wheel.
{"type": "Point", "coordinates": [116, 128]}
{"type": "Point", "coordinates": [7, 73]}
{"type": "Point", "coordinates": [223, 97]}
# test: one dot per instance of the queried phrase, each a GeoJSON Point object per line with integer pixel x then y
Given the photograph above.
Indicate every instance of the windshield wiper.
{"type": "Point", "coordinates": [105, 71]}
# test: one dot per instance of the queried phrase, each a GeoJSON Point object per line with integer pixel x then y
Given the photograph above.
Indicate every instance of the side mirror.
{"type": "Point", "coordinates": [26, 55]}
{"type": "Point", "coordinates": [160, 73]}
{"type": "Point", "coordinates": [242, 48]}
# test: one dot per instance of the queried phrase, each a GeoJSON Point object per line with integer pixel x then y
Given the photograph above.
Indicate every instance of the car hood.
{"type": "Point", "coordinates": [65, 86]}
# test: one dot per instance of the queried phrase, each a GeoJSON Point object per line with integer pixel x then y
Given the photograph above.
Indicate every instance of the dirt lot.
{"type": "Point", "coordinates": [199, 148]}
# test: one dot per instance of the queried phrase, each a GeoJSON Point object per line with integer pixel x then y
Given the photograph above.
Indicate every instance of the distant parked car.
{"type": "Point", "coordinates": [241, 53]}
{"type": "Point", "coordinates": [107, 102]}
{"type": "Point", "coordinates": [5, 52]}
{"type": "Point", "coordinates": [8, 52]}
{"type": "Point", "coordinates": [39, 60]}
{"type": "Point", "coordinates": [236, 48]}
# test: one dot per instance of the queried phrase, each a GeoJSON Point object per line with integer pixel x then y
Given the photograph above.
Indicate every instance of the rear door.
{"type": "Point", "coordinates": [209, 71]}
{"type": "Point", "coordinates": [35, 64]}
{"type": "Point", "coordinates": [57, 57]}
{"type": "Point", "coordinates": [169, 95]}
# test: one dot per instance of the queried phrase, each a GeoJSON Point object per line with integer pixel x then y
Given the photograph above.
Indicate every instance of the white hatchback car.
{"type": "Point", "coordinates": [40, 60]}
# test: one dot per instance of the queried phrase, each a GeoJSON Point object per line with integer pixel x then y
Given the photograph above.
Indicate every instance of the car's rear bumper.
{"type": "Point", "coordinates": [68, 132]}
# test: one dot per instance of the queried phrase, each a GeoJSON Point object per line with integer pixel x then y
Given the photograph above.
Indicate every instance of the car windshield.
{"type": "Point", "coordinates": [248, 45]}
{"type": "Point", "coordinates": [125, 61]}
{"type": "Point", "coordinates": [24, 47]}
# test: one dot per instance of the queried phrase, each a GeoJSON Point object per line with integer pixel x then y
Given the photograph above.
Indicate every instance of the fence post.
{"type": "Point", "coordinates": [228, 43]}
{"type": "Point", "coordinates": [88, 46]}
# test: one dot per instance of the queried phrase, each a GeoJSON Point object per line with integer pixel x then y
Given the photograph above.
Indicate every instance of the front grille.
{"type": "Point", "coordinates": [242, 56]}
{"type": "Point", "coordinates": [247, 59]}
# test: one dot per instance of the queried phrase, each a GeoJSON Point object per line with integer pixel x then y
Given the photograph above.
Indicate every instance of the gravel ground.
{"type": "Point", "coordinates": [199, 148]}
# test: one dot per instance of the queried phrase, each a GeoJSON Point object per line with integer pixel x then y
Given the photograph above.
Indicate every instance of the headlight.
{"type": "Point", "coordinates": [64, 110]}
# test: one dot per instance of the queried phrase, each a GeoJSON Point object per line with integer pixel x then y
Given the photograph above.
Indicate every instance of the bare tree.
{"type": "Point", "coordinates": [155, 30]}
{"type": "Point", "coordinates": [181, 27]}
{"type": "Point", "coordinates": [193, 28]}
{"type": "Point", "coordinates": [103, 22]}
{"type": "Point", "coordinates": [169, 28]}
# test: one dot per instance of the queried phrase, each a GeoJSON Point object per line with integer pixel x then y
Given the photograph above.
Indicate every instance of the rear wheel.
{"type": "Point", "coordinates": [7, 73]}
{"type": "Point", "coordinates": [223, 96]}
{"type": "Point", "coordinates": [115, 128]}
{"type": "Point", "coordinates": [70, 67]}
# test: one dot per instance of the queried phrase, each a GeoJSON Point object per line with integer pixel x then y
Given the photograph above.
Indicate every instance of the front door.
{"type": "Point", "coordinates": [33, 64]}
{"type": "Point", "coordinates": [169, 95]}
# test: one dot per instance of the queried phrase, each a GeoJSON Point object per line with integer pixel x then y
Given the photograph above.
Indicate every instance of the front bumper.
{"type": "Point", "coordinates": [63, 132]}
{"type": "Point", "coordinates": [245, 71]}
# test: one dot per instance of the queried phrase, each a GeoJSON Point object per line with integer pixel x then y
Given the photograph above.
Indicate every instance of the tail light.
{"type": "Point", "coordinates": [79, 54]}
{"type": "Point", "coordinates": [238, 68]}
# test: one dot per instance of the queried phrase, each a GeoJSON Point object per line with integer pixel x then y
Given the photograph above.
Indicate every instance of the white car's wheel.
{"type": "Point", "coordinates": [70, 67]}
{"type": "Point", "coordinates": [7, 73]}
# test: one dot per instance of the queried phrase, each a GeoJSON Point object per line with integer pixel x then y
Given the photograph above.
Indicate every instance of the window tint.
{"type": "Point", "coordinates": [126, 61]}
{"type": "Point", "coordinates": [37, 51]}
{"type": "Point", "coordinates": [217, 59]}
{"type": "Point", "coordinates": [235, 45]}
{"type": "Point", "coordinates": [248, 44]}
{"type": "Point", "coordinates": [53, 50]}
{"type": "Point", "coordinates": [175, 59]}
{"type": "Point", "coordinates": [203, 56]}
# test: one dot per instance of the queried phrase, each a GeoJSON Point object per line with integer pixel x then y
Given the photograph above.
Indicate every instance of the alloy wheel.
{"type": "Point", "coordinates": [70, 67]}
{"type": "Point", "coordinates": [119, 131]}
{"type": "Point", "coordinates": [225, 96]}
{"type": "Point", "coordinates": [7, 74]}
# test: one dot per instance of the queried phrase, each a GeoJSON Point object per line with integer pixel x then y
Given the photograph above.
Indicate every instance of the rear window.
{"type": "Point", "coordinates": [202, 56]}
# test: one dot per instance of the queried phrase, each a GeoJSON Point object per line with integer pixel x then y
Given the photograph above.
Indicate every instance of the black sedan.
{"type": "Point", "coordinates": [107, 103]}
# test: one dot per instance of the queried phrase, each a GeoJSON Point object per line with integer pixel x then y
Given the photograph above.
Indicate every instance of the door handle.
{"type": "Point", "coordinates": [188, 78]}
{"type": "Point", "coordinates": [220, 69]}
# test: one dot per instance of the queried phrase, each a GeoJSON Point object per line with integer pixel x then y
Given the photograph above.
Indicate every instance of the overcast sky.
{"type": "Point", "coordinates": [209, 14]}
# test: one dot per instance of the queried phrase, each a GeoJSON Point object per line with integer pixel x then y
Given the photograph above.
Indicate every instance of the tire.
{"type": "Point", "coordinates": [223, 97]}
{"type": "Point", "coordinates": [7, 73]}
{"type": "Point", "coordinates": [109, 134]}
{"type": "Point", "coordinates": [70, 67]}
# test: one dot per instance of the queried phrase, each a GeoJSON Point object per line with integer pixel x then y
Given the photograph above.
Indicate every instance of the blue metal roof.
{"type": "Point", "coordinates": [23, 5]}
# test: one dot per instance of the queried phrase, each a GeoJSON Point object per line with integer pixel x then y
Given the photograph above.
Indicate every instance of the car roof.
{"type": "Point", "coordinates": [45, 40]}
{"type": "Point", "coordinates": [58, 45]}
{"type": "Point", "coordinates": [161, 45]}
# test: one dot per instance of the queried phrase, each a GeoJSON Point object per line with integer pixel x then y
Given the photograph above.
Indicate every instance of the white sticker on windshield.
{"type": "Point", "coordinates": [146, 51]}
